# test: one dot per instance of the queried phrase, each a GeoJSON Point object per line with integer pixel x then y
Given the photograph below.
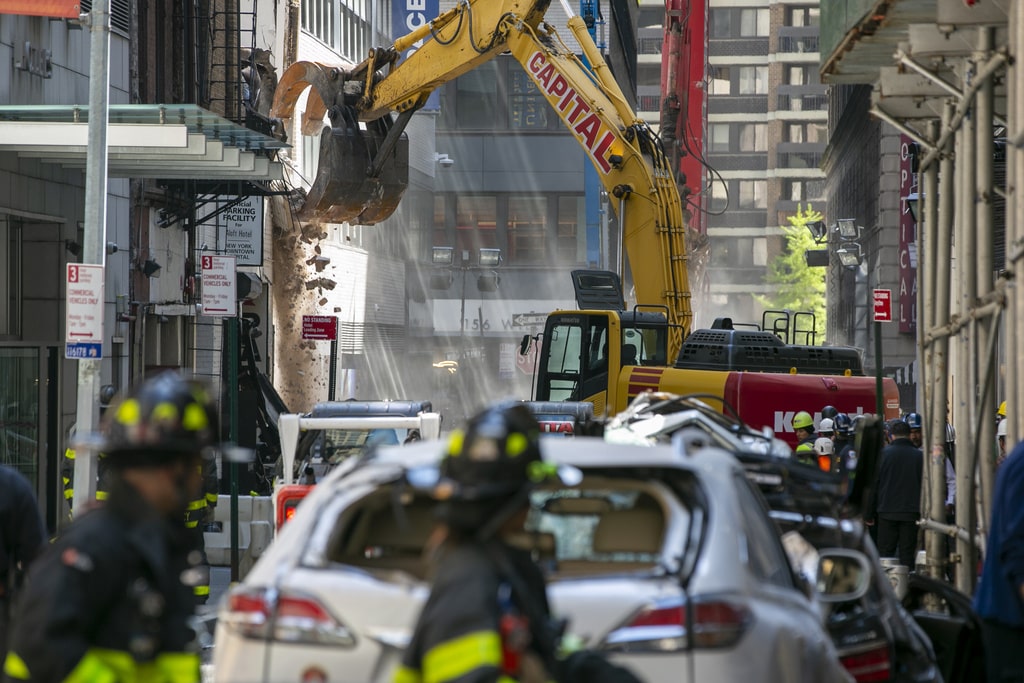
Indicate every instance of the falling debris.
{"type": "Point", "coordinates": [323, 302]}
{"type": "Point", "coordinates": [321, 283]}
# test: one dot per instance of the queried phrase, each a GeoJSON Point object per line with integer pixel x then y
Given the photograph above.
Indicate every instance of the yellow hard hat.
{"type": "Point", "coordinates": [803, 420]}
{"type": "Point", "coordinates": [1002, 409]}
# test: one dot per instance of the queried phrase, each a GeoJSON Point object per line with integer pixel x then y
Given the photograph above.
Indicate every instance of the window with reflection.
{"type": "Point", "coordinates": [527, 217]}
{"type": "Point", "coordinates": [527, 107]}
{"type": "Point", "coordinates": [572, 216]}
{"type": "Point", "coordinates": [475, 223]}
{"type": "Point", "coordinates": [476, 97]}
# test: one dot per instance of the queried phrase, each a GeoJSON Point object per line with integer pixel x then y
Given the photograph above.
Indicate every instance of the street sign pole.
{"type": "Point", "coordinates": [232, 325]}
{"type": "Point", "coordinates": [881, 305]}
{"type": "Point", "coordinates": [93, 247]}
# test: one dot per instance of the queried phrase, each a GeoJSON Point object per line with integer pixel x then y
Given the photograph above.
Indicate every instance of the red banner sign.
{"type": "Point", "coordinates": [65, 9]}
{"type": "Point", "coordinates": [908, 244]}
{"type": "Point", "coordinates": [320, 327]}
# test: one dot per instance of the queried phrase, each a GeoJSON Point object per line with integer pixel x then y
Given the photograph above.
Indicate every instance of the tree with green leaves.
{"type": "Point", "coordinates": [797, 286]}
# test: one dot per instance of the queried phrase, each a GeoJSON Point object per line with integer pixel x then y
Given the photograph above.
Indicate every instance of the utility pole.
{"type": "Point", "coordinates": [94, 247]}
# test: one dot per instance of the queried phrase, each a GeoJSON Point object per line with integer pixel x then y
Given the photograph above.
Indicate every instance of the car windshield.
{"type": "Point", "coordinates": [336, 445]}
{"type": "Point", "coordinates": [607, 524]}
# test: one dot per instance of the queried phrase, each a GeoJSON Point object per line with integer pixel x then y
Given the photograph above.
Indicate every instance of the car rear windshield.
{"type": "Point", "coordinates": [614, 521]}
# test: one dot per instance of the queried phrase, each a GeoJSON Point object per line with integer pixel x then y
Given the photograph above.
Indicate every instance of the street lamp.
{"type": "Point", "coordinates": [487, 280]}
{"type": "Point", "coordinates": [848, 229]}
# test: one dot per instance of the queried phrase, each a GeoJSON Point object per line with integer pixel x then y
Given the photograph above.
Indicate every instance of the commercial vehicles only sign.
{"type": "Point", "coordinates": [219, 286]}
{"type": "Point", "coordinates": [83, 322]}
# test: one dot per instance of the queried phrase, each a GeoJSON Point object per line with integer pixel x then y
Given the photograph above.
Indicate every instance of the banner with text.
{"type": "Point", "coordinates": [908, 243]}
{"type": "Point", "coordinates": [239, 223]}
{"type": "Point", "coordinates": [406, 17]}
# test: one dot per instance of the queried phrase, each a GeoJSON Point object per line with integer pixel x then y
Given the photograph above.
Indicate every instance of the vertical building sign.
{"type": "Point", "coordinates": [908, 244]}
{"type": "Point", "coordinates": [406, 17]}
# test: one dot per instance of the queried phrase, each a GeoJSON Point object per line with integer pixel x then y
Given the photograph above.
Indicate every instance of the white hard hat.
{"type": "Point", "coordinates": [823, 446]}
{"type": "Point", "coordinates": [826, 425]}
{"type": "Point", "coordinates": [1001, 428]}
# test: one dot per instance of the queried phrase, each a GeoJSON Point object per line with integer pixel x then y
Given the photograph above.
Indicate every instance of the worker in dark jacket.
{"type": "Point", "coordinates": [110, 600]}
{"type": "Point", "coordinates": [897, 500]}
{"type": "Point", "coordinates": [22, 538]}
{"type": "Point", "coordinates": [487, 617]}
{"type": "Point", "coordinates": [999, 600]}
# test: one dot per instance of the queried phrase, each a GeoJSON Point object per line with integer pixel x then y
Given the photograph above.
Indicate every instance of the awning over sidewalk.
{"type": "Point", "coordinates": [173, 141]}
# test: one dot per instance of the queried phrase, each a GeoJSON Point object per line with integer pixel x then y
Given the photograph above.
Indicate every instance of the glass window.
{"type": "Point", "coordinates": [720, 81]}
{"type": "Point", "coordinates": [753, 80]}
{"type": "Point", "coordinates": [817, 132]}
{"type": "Point", "coordinates": [571, 239]}
{"type": "Point", "coordinates": [796, 75]}
{"type": "Point", "coordinates": [753, 194]}
{"type": "Point", "coordinates": [10, 278]}
{"type": "Point", "coordinates": [719, 195]}
{"type": "Point", "coordinates": [802, 16]}
{"type": "Point", "coordinates": [440, 237]}
{"type": "Point", "coordinates": [793, 190]}
{"type": "Point", "coordinates": [527, 107]}
{"type": "Point", "coordinates": [793, 132]}
{"type": "Point", "coordinates": [753, 23]}
{"type": "Point", "coordinates": [527, 217]}
{"type": "Point", "coordinates": [475, 221]}
{"type": "Point", "coordinates": [562, 373]}
{"type": "Point", "coordinates": [476, 97]}
{"type": "Point", "coordinates": [19, 411]}
{"type": "Point", "coordinates": [760, 251]}
{"type": "Point", "coordinates": [754, 137]}
{"type": "Point", "coordinates": [721, 20]}
{"type": "Point", "coordinates": [765, 555]}
{"type": "Point", "coordinates": [718, 137]}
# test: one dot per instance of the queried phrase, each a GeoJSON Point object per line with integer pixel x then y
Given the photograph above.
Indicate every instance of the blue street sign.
{"type": "Point", "coordinates": [86, 350]}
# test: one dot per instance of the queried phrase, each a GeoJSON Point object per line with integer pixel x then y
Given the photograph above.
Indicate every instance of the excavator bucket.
{"type": "Point", "coordinates": [363, 172]}
{"type": "Point", "coordinates": [344, 191]}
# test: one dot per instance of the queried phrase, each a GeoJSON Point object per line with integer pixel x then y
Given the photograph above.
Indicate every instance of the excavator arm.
{"type": "Point", "coordinates": [359, 178]}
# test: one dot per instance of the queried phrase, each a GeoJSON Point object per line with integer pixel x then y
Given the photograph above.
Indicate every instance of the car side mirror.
{"type": "Point", "coordinates": [843, 575]}
{"type": "Point", "coordinates": [867, 445]}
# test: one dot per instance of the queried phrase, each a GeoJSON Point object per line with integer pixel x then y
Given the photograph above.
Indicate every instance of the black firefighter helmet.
{"type": "Point", "coordinates": [162, 418]}
{"type": "Point", "coordinates": [494, 458]}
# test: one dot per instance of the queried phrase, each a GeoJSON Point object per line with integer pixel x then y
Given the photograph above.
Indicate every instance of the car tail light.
{"type": "Point", "coordinates": [662, 627]}
{"type": "Point", "coordinates": [290, 617]}
{"type": "Point", "coordinates": [288, 499]}
{"type": "Point", "coordinates": [869, 664]}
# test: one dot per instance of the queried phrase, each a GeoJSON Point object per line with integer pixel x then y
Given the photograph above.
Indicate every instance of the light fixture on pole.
{"type": "Point", "coordinates": [913, 202]}
{"type": "Point", "coordinates": [849, 255]}
{"type": "Point", "coordinates": [848, 229]}
{"type": "Point", "coordinates": [442, 256]}
{"type": "Point", "coordinates": [819, 231]}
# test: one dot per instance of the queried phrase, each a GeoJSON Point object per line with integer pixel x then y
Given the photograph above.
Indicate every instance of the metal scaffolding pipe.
{"type": "Point", "coordinates": [983, 74]}
{"type": "Point", "coordinates": [994, 301]}
{"type": "Point", "coordinates": [966, 517]}
{"type": "Point", "coordinates": [1015, 232]}
{"type": "Point", "coordinates": [908, 62]}
{"type": "Point", "coordinates": [917, 137]}
{"type": "Point", "coordinates": [984, 156]}
{"type": "Point", "coordinates": [948, 530]}
{"type": "Point", "coordinates": [938, 214]}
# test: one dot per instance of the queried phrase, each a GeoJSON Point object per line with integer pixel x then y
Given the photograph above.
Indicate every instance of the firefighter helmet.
{"type": "Point", "coordinates": [496, 456]}
{"type": "Point", "coordinates": [913, 420]}
{"type": "Point", "coordinates": [844, 424]}
{"type": "Point", "coordinates": [803, 420]}
{"type": "Point", "coordinates": [162, 417]}
{"type": "Point", "coordinates": [830, 412]}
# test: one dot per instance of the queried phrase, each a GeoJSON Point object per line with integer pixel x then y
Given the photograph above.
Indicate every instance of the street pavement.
{"type": "Point", "coordinates": [220, 582]}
